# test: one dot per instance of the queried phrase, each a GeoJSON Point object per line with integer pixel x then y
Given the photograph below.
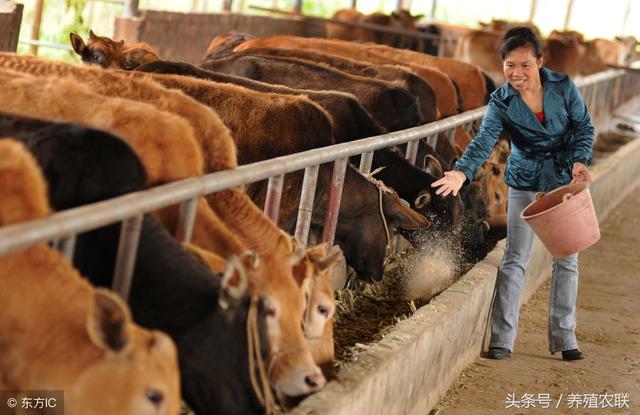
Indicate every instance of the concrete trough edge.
{"type": "Point", "coordinates": [412, 367]}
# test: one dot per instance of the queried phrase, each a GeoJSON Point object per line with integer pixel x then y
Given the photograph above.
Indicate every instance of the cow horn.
{"type": "Point", "coordinates": [92, 35]}
{"type": "Point", "coordinates": [485, 225]}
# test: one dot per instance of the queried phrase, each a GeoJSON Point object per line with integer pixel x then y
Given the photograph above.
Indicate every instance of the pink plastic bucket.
{"type": "Point", "coordinates": [564, 219]}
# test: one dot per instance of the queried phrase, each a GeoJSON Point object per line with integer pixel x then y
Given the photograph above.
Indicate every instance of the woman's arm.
{"type": "Point", "coordinates": [482, 144]}
{"type": "Point", "coordinates": [580, 125]}
{"type": "Point", "coordinates": [474, 155]}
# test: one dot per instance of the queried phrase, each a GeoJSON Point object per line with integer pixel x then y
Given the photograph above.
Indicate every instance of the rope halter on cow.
{"type": "Point", "coordinates": [262, 389]}
{"type": "Point", "coordinates": [381, 188]}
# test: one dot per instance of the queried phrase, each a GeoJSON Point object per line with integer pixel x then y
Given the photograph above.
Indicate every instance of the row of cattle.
{"type": "Point", "coordinates": [563, 51]}
{"type": "Point", "coordinates": [248, 309]}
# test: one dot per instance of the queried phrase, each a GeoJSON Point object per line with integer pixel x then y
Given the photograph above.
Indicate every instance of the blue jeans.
{"type": "Point", "coordinates": [564, 284]}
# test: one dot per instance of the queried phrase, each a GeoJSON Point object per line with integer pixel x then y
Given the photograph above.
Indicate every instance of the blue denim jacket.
{"type": "Point", "coordinates": [541, 155]}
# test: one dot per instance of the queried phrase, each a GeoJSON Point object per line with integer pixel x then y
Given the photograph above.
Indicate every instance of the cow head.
{"type": "Point", "coordinates": [315, 266]}
{"type": "Point", "coordinates": [364, 221]}
{"type": "Point", "coordinates": [105, 52]}
{"type": "Point", "coordinates": [137, 372]}
{"type": "Point", "coordinates": [222, 45]}
{"type": "Point", "coordinates": [215, 354]}
{"type": "Point", "coordinates": [292, 370]}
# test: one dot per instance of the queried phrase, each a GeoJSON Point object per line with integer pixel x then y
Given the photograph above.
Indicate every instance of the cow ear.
{"type": "Point", "coordinates": [417, 17]}
{"type": "Point", "coordinates": [120, 44]}
{"type": "Point", "coordinates": [284, 246]}
{"type": "Point", "coordinates": [333, 256]}
{"type": "Point", "coordinates": [401, 215]}
{"type": "Point", "coordinates": [133, 58]}
{"type": "Point", "coordinates": [92, 35]}
{"type": "Point", "coordinates": [109, 321]}
{"type": "Point", "coordinates": [422, 200]}
{"type": "Point", "coordinates": [433, 166]}
{"type": "Point", "coordinates": [77, 43]}
{"type": "Point", "coordinates": [235, 282]}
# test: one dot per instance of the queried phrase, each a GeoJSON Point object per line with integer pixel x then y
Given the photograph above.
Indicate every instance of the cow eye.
{"type": "Point", "coordinates": [96, 56]}
{"type": "Point", "coordinates": [154, 396]}
{"type": "Point", "coordinates": [270, 311]}
{"type": "Point", "coordinates": [323, 310]}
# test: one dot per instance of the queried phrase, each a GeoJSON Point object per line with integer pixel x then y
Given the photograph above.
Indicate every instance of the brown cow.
{"type": "Point", "coordinates": [349, 120]}
{"type": "Point", "coordinates": [482, 48]}
{"type": "Point", "coordinates": [393, 73]}
{"type": "Point", "coordinates": [364, 253]}
{"type": "Point", "coordinates": [446, 95]}
{"type": "Point", "coordinates": [105, 52]}
{"type": "Point", "coordinates": [398, 20]}
{"type": "Point", "coordinates": [295, 373]}
{"type": "Point", "coordinates": [392, 106]}
{"type": "Point", "coordinates": [95, 352]}
{"type": "Point", "coordinates": [445, 38]}
{"type": "Point", "coordinates": [568, 52]}
{"type": "Point", "coordinates": [620, 51]}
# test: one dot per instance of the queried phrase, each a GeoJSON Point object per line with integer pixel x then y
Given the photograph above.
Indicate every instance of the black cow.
{"type": "Point", "coordinates": [171, 290]}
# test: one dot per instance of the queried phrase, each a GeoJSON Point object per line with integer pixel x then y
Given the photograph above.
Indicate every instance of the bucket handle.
{"type": "Point", "coordinates": [566, 197]}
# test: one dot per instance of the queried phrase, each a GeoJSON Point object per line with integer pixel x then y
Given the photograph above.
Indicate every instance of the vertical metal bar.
{"type": "Point", "coordinates": [297, 6]}
{"type": "Point", "coordinates": [131, 8]}
{"type": "Point", "coordinates": [226, 5]}
{"type": "Point", "coordinates": [305, 209]}
{"type": "Point", "coordinates": [440, 46]}
{"type": "Point", "coordinates": [434, 5]}
{"type": "Point", "coordinates": [126, 259]}
{"type": "Point", "coordinates": [186, 220]}
{"type": "Point", "coordinates": [625, 19]}
{"type": "Point", "coordinates": [365, 162]}
{"type": "Point", "coordinates": [451, 135]}
{"type": "Point", "coordinates": [399, 5]}
{"type": "Point", "coordinates": [412, 151]}
{"type": "Point", "coordinates": [274, 194]}
{"type": "Point", "coordinates": [532, 10]}
{"type": "Point", "coordinates": [353, 3]}
{"type": "Point", "coordinates": [567, 16]}
{"type": "Point", "coordinates": [335, 194]}
{"type": "Point", "coordinates": [67, 246]}
{"type": "Point", "coordinates": [35, 26]}
{"type": "Point", "coordinates": [432, 141]}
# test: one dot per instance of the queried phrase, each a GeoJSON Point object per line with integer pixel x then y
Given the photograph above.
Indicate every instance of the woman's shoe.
{"type": "Point", "coordinates": [573, 354]}
{"type": "Point", "coordinates": [498, 353]}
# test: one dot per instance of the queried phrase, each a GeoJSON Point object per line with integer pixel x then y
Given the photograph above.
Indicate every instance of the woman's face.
{"type": "Point", "coordinates": [521, 68]}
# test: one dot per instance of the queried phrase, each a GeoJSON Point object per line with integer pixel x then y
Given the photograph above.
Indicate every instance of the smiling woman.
{"type": "Point", "coordinates": [551, 138]}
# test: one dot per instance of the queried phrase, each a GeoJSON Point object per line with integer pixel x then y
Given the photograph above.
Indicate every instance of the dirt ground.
{"type": "Point", "coordinates": [608, 333]}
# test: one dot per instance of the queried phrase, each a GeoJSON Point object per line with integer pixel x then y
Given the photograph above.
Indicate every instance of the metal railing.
{"type": "Point", "coordinates": [602, 93]}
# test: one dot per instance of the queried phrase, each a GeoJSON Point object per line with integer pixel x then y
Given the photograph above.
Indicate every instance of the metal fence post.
{"type": "Point", "coordinates": [412, 151]}
{"type": "Point", "coordinates": [126, 259]}
{"type": "Point", "coordinates": [131, 8]}
{"type": "Point", "coordinates": [365, 162]}
{"type": "Point", "coordinates": [67, 246]}
{"type": "Point", "coordinates": [305, 210]}
{"type": "Point", "coordinates": [274, 194]}
{"type": "Point", "coordinates": [186, 220]}
{"type": "Point", "coordinates": [335, 194]}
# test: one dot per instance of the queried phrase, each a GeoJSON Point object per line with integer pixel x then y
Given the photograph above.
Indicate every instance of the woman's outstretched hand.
{"type": "Point", "coordinates": [450, 183]}
{"type": "Point", "coordinates": [580, 174]}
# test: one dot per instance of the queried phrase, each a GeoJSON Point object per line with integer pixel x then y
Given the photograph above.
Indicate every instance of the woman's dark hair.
{"type": "Point", "coordinates": [518, 37]}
